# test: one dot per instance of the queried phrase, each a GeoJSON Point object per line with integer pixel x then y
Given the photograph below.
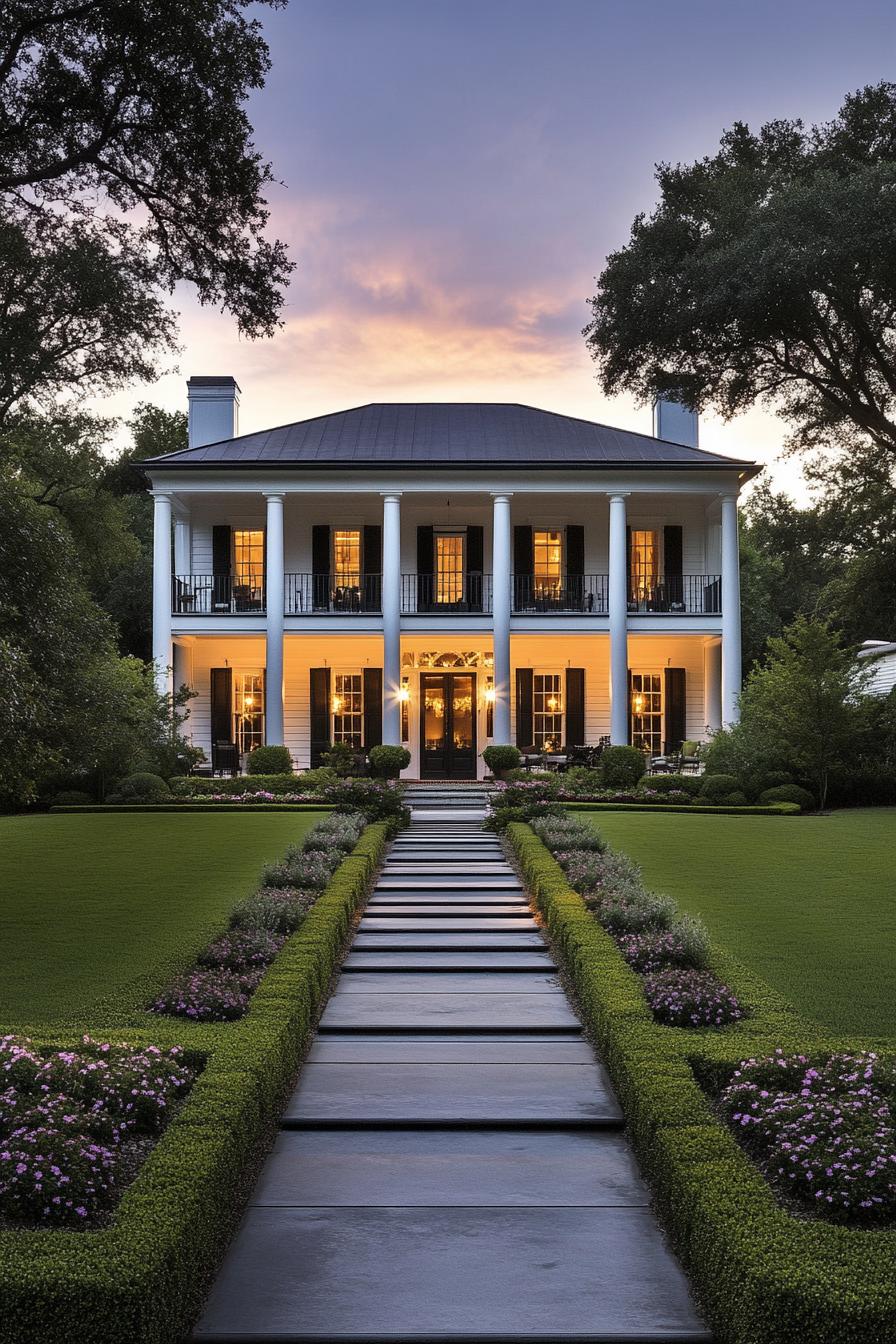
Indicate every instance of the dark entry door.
{"type": "Point", "coordinates": [448, 725]}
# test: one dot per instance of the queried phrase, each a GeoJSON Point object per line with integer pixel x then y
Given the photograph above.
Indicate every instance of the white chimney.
{"type": "Point", "coordinates": [675, 423]}
{"type": "Point", "coordinates": [213, 410]}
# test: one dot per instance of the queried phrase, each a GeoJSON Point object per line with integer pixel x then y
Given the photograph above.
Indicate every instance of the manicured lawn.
{"type": "Point", "coordinates": [99, 908]}
{"type": "Point", "coordinates": [809, 903]}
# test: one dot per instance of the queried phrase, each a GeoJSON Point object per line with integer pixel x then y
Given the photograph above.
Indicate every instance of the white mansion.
{"type": "Point", "coordinates": [445, 576]}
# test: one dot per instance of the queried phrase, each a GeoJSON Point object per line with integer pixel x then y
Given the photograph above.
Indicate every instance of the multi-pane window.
{"type": "Point", "coordinates": [346, 558]}
{"type": "Point", "coordinates": [645, 564]}
{"type": "Point", "coordinates": [548, 558]}
{"type": "Point", "coordinates": [348, 709]}
{"type": "Point", "coordinates": [647, 712]}
{"type": "Point", "coordinates": [547, 711]}
{"type": "Point", "coordinates": [248, 710]}
{"type": "Point", "coordinates": [248, 558]}
{"type": "Point", "coordinates": [449, 567]}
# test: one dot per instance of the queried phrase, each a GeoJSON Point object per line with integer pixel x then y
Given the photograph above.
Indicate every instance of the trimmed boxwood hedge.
{"type": "Point", "coordinates": [143, 1279]}
{"type": "Point", "coordinates": [762, 1275]}
{"type": "Point", "coordinates": [748, 810]}
{"type": "Point", "coordinates": [186, 806]}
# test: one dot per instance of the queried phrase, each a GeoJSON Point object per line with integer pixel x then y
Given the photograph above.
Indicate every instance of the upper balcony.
{"type": "Point", "coordinates": [443, 595]}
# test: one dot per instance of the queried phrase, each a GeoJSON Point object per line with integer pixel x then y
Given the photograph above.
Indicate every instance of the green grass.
{"type": "Point", "coordinates": [96, 911]}
{"type": "Point", "coordinates": [809, 903]}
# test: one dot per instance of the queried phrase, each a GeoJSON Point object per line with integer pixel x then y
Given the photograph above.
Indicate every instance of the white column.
{"type": "Point", "coordinates": [712, 685]}
{"type": "Point", "coordinates": [274, 623]}
{"type": "Point", "coordinates": [501, 596]}
{"type": "Point", "coordinates": [618, 599]}
{"type": "Point", "coordinates": [731, 649]}
{"type": "Point", "coordinates": [161, 592]}
{"type": "Point", "coordinates": [392, 619]}
{"type": "Point", "coordinates": [183, 545]}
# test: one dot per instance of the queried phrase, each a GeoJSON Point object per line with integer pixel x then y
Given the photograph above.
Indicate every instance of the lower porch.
{"type": "Point", "coordinates": [333, 691]}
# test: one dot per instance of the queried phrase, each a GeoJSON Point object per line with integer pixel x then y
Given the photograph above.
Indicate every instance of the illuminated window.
{"type": "Point", "coordinates": [248, 560]}
{"type": "Point", "coordinates": [449, 567]}
{"type": "Point", "coordinates": [248, 709]}
{"type": "Point", "coordinates": [548, 557]}
{"type": "Point", "coordinates": [644, 564]}
{"type": "Point", "coordinates": [346, 558]}
{"type": "Point", "coordinates": [647, 712]}
{"type": "Point", "coordinates": [547, 710]}
{"type": "Point", "coordinates": [348, 709]}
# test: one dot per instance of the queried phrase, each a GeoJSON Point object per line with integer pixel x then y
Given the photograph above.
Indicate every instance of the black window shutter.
{"type": "Point", "coordinates": [575, 567]}
{"type": "Point", "coordinates": [373, 707]}
{"type": "Point", "coordinates": [475, 561]}
{"type": "Point", "coordinates": [673, 550]}
{"type": "Point", "coordinates": [575, 706]}
{"type": "Point", "coordinates": [425, 567]}
{"type": "Point", "coordinates": [222, 704]}
{"type": "Point", "coordinates": [320, 566]}
{"type": "Point", "coordinates": [676, 708]}
{"type": "Point", "coordinates": [629, 693]}
{"type": "Point", "coordinates": [525, 729]}
{"type": "Point", "coordinates": [629, 586]}
{"type": "Point", "coordinates": [320, 713]}
{"type": "Point", "coordinates": [372, 565]}
{"type": "Point", "coordinates": [523, 568]}
{"type": "Point", "coordinates": [222, 550]}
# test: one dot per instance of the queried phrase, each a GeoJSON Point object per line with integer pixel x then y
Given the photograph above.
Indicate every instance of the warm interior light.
{"type": "Point", "coordinates": [404, 694]}
{"type": "Point", "coordinates": [553, 703]}
{"type": "Point", "coordinates": [489, 695]}
{"type": "Point", "coordinates": [248, 701]}
{"type": "Point", "coordinates": [638, 703]}
{"type": "Point", "coordinates": [337, 704]}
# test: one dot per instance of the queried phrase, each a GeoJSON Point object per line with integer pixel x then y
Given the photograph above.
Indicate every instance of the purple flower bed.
{"type": "Point", "coordinates": [242, 949]}
{"type": "Point", "coordinates": [69, 1121]}
{"type": "Point", "coordinates": [210, 994]}
{"type": "Point", "coordinates": [259, 796]}
{"type": "Point", "coordinates": [277, 909]}
{"type": "Point", "coordinates": [823, 1133]}
{"type": "Point", "coordinates": [657, 950]}
{"type": "Point", "coordinates": [687, 998]}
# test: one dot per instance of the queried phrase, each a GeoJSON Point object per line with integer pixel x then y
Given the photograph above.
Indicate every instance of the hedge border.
{"type": "Point", "coordinates": [769, 810]}
{"type": "Point", "coordinates": [762, 1275]}
{"type": "Point", "coordinates": [191, 808]}
{"type": "Point", "coordinates": [144, 1278]}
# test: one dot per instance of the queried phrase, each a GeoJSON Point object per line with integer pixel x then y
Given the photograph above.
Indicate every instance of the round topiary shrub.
{"type": "Point", "coordinates": [622, 767]}
{"type": "Point", "coordinates": [142, 788]}
{"type": "Point", "coordinates": [790, 793]}
{"type": "Point", "coordinates": [716, 787]}
{"type": "Point", "coordinates": [388, 762]}
{"type": "Point", "coordinates": [500, 759]}
{"type": "Point", "coordinates": [736, 799]}
{"type": "Point", "coordinates": [269, 761]}
{"type": "Point", "coordinates": [72, 798]}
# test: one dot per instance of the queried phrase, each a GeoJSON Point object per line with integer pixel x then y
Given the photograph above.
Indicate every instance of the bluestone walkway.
{"type": "Point", "coordinates": [452, 1165]}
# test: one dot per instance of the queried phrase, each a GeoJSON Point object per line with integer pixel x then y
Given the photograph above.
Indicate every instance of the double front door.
{"type": "Point", "coordinates": [448, 725]}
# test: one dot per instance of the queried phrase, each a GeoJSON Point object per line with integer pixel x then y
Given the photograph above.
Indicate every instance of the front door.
{"type": "Point", "coordinates": [448, 725]}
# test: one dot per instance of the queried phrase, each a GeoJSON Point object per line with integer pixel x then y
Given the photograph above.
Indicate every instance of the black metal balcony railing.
{"type": "Point", "coordinates": [678, 594]}
{"type": "Point", "coordinates": [582, 593]}
{"type": "Point", "coordinates": [217, 594]}
{"type": "Point", "coordinates": [446, 594]}
{"type": "Point", "coordinates": [430, 594]}
{"type": "Point", "coordinates": [309, 593]}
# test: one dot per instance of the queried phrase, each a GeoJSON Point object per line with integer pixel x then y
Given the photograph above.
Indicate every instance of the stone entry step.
{"type": "Point", "coordinates": [442, 1094]}
{"type": "Point", "coordinates": [601, 1275]}
{"type": "Point", "coordinates": [512, 963]}
{"type": "Point", "coordinates": [502, 1048]}
{"type": "Point", "coordinates": [509, 898]}
{"type": "Point", "coordinates": [424, 939]}
{"type": "Point", "coordinates": [473, 1168]}
{"type": "Point", "coordinates": [457, 982]}
{"type": "Point", "coordinates": [454, 909]}
{"type": "Point", "coordinates": [433, 924]}
{"type": "Point", "coordinates": [448, 1012]}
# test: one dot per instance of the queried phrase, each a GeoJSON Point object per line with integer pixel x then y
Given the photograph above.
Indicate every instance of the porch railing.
{"type": "Point", "coordinates": [677, 595]}
{"type": "Point", "coordinates": [446, 595]}
{"type": "Point", "coordinates": [585, 594]}
{"type": "Point", "coordinates": [306, 594]}
{"type": "Point", "coordinates": [217, 594]}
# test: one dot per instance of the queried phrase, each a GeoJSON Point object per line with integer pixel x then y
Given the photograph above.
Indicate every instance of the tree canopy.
{"type": "Point", "coordinates": [767, 272]}
{"type": "Point", "coordinates": [126, 166]}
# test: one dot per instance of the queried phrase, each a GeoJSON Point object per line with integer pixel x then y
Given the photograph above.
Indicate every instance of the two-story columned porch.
{"type": "Point", "coordinates": [446, 576]}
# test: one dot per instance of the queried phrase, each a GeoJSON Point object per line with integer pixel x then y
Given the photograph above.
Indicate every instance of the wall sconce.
{"type": "Point", "coordinates": [489, 695]}
{"type": "Point", "coordinates": [404, 694]}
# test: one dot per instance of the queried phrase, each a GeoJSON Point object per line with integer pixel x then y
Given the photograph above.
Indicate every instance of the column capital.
{"type": "Point", "coordinates": [501, 494]}
{"type": "Point", "coordinates": [618, 495]}
{"type": "Point", "coordinates": [391, 494]}
{"type": "Point", "coordinates": [729, 494]}
{"type": "Point", "coordinates": [163, 494]}
{"type": "Point", "coordinates": [274, 494]}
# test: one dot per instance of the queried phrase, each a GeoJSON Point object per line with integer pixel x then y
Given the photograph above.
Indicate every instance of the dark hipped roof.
{"type": "Point", "coordinates": [445, 434]}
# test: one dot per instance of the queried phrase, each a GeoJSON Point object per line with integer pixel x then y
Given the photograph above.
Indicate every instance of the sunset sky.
{"type": "Point", "coordinates": [455, 172]}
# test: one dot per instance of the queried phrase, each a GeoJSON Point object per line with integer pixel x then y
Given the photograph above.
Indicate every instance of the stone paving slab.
{"type": "Point", "coordinates": [428, 981]}
{"type": "Point", "coordinates": [450, 1167]}
{"type": "Point", "coordinates": [448, 1012]}
{"type": "Point", "coordinates": [513, 963]}
{"type": "Point", "coordinates": [448, 909]}
{"type": "Point", "coordinates": [511, 899]}
{"type": "Point", "coordinates": [426, 939]}
{"type": "Point", "coordinates": [510, 883]}
{"type": "Point", "coordinates": [402, 1274]}
{"type": "Point", "coordinates": [470, 924]}
{"type": "Point", "coordinates": [436, 1094]}
{"type": "Point", "coordinates": [506, 1048]}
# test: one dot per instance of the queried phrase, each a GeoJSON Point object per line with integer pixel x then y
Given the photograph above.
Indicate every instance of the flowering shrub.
{"type": "Point", "coordinates": [277, 909]}
{"type": "Point", "coordinates": [685, 944]}
{"type": "Point", "coordinates": [298, 869]}
{"type": "Point", "coordinates": [208, 995]}
{"type": "Point", "coordinates": [687, 998]}
{"type": "Point", "coordinates": [138, 1085]}
{"type": "Point", "coordinates": [338, 832]}
{"type": "Point", "coordinates": [592, 873]}
{"type": "Point", "coordinates": [377, 799]}
{"type": "Point", "coordinates": [242, 948]}
{"type": "Point", "coordinates": [19, 1061]}
{"type": "Point", "coordinates": [634, 914]}
{"type": "Point", "coordinates": [55, 1177]}
{"type": "Point", "coordinates": [567, 832]}
{"type": "Point", "coordinates": [256, 796]}
{"type": "Point", "coordinates": [824, 1134]}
